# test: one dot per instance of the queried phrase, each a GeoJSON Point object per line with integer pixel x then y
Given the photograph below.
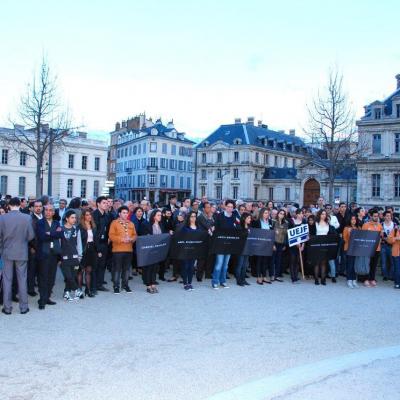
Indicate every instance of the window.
{"type": "Point", "coordinates": [294, 163]}
{"type": "Point", "coordinates": [235, 174]}
{"type": "Point", "coordinates": [153, 147]}
{"type": "Point", "coordinates": [219, 157]}
{"type": "Point", "coordinates": [188, 183]}
{"type": "Point", "coordinates": [4, 156]}
{"type": "Point", "coordinates": [285, 162]}
{"type": "Point", "coordinates": [203, 158]}
{"type": "Point", "coordinates": [190, 166]}
{"type": "Point", "coordinates": [70, 161]}
{"type": "Point", "coordinates": [84, 162]}
{"type": "Point", "coordinates": [396, 185]}
{"type": "Point", "coordinates": [22, 158]}
{"type": "Point", "coordinates": [173, 149]}
{"type": "Point", "coordinates": [236, 156]}
{"type": "Point", "coordinates": [164, 148]}
{"type": "Point", "coordinates": [377, 113]}
{"type": "Point", "coordinates": [235, 191]}
{"type": "Point", "coordinates": [70, 184]}
{"type": "Point", "coordinates": [163, 181]}
{"type": "Point", "coordinates": [397, 142]}
{"type": "Point", "coordinates": [266, 159]}
{"type": "Point", "coordinates": [219, 174]}
{"type": "Point", "coordinates": [218, 192]}
{"type": "Point", "coordinates": [256, 175]}
{"type": "Point", "coordinates": [202, 191]}
{"type": "Point", "coordinates": [152, 180]}
{"type": "Point", "coordinates": [21, 186]}
{"type": "Point", "coordinates": [276, 161]}
{"type": "Point", "coordinates": [336, 192]}
{"type": "Point", "coordinates": [83, 188]}
{"type": "Point", "coordinates": [257, 158]}
{"type": "Point", "coordinates": [3, 184]}
{"type": "Point", "coordinates": [376, 143]}
{"type": "Point", "coordinates": [97, 163]}
{"type": "Point", "coordinates": [376, 185]}
{"type": "Point", "coordinates": [181, 165]}
{"type": "Point", "coordinates": [126, 152]}
{"type": "Point", "coordinates": [173, 164]}
{"type": "Point", "coordinates": [163, 163]}
{"type": "Point", "coordinates": [96, 189]}
{"type": "Point", "coordinates": [255, 192]}
{"type": "Point", "coordinates": [144, 148]}
{"type": "Point", "coordinates": [287, 194]}
{"type": "Point", "coordinates": [153, 162]}
{"type": "Point", "coordinates": [172, 181]}
{"type": "Point", "coordinates": [397, 110]}
{"type": "Point", "coordinates": [271, 193]}
{"type": "Point", "coordinates": [181, 182]}
{"type": "Point", "coordinates": [203, 174]}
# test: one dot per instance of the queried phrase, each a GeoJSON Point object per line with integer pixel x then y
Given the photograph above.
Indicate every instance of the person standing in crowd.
{"type": "Point", "coordinates": [171, 206]}
{"type": "Point", "coordinates": [224, 220]}
{"type": "Point", "coordinates": [322, 227]}
{"type": "Point", "coordinates": [75, 205]}
{"type": "Point", "coordinates": [333, 222]}
{"type": "Point", "coordinates": [146, 209]}
{"type": "Point", "coordinates": [188, 265]}
{"type": "Point", "coordinates": [24, 206]}
{"type": "Point", "coordinates": [243, 260]}
{"type": "Point", "coordinates": [280, 226]}
{"type": "Point", "coordinates": [71, 255]}
{"type": "Point", "coordinates": [49, 233]}
{"type": "Point", "coordinates": [373, 225]}
{"type": "Point", "coordinates": [88, 231]}
{"type": "Point", "coordinates": [394, 240]}
{"type": "Point", "coordinates": [150, 271]}
{"type": "Point", "coordinates": [16, 231]}
{"type": "Point", "coordinates": [206, 222]}
{"type": "Point", "coordinates": [386, 249]}
{"type": "Point", "coordinates": [296, 251]}
{"type": "Point", "coordinates": [60, 211]}
{"type": "Point", "coordinates": [350, 260]}
{"type": "Point", "coordinates": [264, 263]}
{"type": "Point", "coordinates": [343, 217]}
{"type": "Point", "coordinates": [122, 235]}
{"type": "Point", "coordinates": [102, 222]}
{"type": "Point", "coordinates": [36, 215]}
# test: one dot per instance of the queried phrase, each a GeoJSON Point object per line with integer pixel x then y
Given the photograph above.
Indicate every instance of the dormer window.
{"type": "Point", "coordinates": [397, 110]}
{"type": "Point", "coordinates": [378, 113]}
{"type": "Point", "coordinates": [154, 132]}
{"type": "Point", "coordinates": [237, 141]}
{"type": "Point", "coordinates": [206, 143]}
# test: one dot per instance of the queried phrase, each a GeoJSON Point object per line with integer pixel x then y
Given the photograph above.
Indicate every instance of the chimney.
{"type": "Point", "coordinates": [123, 124]}
{"type": "Point", "coordinates": [238, 120]}
{"type": "Point", "coordinates": [250, 120]}
{"type": "Point", "coordinates": [292, 132]}
{"type": "Point", "coordinates": [398, 81]}
{"type": "Point", "coordinates": [117, 126]}
{"type": "Point", "coordinates": [259, 123]}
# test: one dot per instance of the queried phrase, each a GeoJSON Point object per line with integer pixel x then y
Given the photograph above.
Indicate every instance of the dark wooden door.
{"type": "Point", "coordinates": [311, 192]}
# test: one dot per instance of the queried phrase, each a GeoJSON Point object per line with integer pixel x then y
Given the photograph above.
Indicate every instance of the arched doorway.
{"type": "Point", "coordinates": [311, 192]}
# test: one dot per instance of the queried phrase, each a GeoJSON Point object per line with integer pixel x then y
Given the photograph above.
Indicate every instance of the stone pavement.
{"type": "Point", "coordinates": [193, 345]}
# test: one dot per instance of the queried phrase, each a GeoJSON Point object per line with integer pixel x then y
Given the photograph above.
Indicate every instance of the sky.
{"type": "Point", "coordinates": [200, 63]}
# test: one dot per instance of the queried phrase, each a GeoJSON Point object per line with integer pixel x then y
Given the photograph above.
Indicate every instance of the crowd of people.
{"type": "Point", "coordinates": [87, 239]}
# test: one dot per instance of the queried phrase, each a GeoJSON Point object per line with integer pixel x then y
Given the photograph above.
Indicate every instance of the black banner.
{"type": "Point", "coordinates": [152, 249]}
{"type": "Point", "coordinates": [322, 247]}
{"type": "Point", "coordinates": [260, 242]}
{"type": "Point", "coordinates": [363, 243]}
{"type": "Point", "coordinates": [187, 245]}
{"type": "Point", "coordinates": [228, 241]}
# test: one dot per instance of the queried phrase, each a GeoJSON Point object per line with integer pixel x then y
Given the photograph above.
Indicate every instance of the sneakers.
{"type": "Point", "coordinates": [350, 284]}
{"type": "Point", "coordinates": [186, 287]}
{"type": "Point", "coordinates": [355, 284]}
{"type": "Point", "coordinates": [216, 287]}
{"type": "Point", "coordinates": [224, 285]}
{"type": "Point", "coordinates": [78, 294]}
{"type": "Point", "coordinates": [67, 296]}
{"type": "Point", "coordinates": [127, 289]}
{"type": "Point", "coordinates": [397, 286]}
{"type": "Point", "coordinates": [373, 283]}
{"type": "Point", "coordinates": [367, 284]}
{"type": "Point", "coordinates": [116, 290]}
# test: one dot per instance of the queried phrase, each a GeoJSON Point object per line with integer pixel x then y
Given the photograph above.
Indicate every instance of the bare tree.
{"type": "Point", "coordinates": [43, 121]}
{"type": "Point", "coordinates": [332, 127]}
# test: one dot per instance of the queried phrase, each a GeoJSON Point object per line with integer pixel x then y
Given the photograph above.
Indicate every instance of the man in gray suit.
{"type": "Point", "coordinates": [15, 232]}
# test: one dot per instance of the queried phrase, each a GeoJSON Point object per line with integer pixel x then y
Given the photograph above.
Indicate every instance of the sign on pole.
{"type": "Point", "coordinates": [298, 235]}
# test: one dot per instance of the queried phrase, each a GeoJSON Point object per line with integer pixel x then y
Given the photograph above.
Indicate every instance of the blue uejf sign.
{"type": "Point", "coordinates": [298, 235]}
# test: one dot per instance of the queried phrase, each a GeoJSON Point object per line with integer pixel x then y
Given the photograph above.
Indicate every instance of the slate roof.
{"type": "Point", "coordinates": [388, 106]}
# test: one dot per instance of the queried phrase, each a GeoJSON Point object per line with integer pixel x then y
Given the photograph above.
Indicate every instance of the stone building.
{"type": "Point", "coordinates": [378, 168]}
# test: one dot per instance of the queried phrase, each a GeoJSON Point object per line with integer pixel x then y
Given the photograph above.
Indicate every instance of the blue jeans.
{"type": "Point", "coordinates": [240, 270]}
{"type": "Point", "coordinates": [220, 268]}
{"type": "Point", "coordinates": [187, 271]}
{"type": "Point", "coordinates": [396, 270]}
{"type": "Point", "coordinates": [350, 273]}
{"type": "Point", "coordinates": [387, 261]}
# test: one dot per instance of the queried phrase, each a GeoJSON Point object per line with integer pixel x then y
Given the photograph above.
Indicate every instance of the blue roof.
{"type": "Point", "coordinates": [251, 135]}
{"type": "Point", "coordinates": [388, 105]}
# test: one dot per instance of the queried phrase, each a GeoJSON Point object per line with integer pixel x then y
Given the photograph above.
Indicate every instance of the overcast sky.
{"type": "Point", "coordinates": [202, 63]}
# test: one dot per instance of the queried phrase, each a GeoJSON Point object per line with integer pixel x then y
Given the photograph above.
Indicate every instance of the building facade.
{"type": "Point", "coordinates": [153, 161]}
{"type": "Point", "coordinates": [251, 162]}
{"type": "Point", "coordinates": [79, 168]}
{"type": "Point", "coordinates": [378, 167]}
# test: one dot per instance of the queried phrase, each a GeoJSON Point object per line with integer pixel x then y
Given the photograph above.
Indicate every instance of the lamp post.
{"type": "Point", "coordinates": [50, 165]}
{"type": "Point", "coordinates": [226, 172]}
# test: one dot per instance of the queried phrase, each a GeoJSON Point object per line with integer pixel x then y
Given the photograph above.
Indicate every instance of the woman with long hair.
{"type": "Point", "coordinates": [350, 260]}
{"type": "Point", "coordinates": [241, 267]}
{"type": "Point", "coordinates": [280, 226]}
{"type": "Point", "coordinates": [87, 227]}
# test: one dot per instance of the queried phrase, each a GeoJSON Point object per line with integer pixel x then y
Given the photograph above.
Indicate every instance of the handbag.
{"type": "Point", "coordinates": [361, 265]}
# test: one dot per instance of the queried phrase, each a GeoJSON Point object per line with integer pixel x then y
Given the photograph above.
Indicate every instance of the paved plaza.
{"type": "Point", "coordinates": [280, 341]}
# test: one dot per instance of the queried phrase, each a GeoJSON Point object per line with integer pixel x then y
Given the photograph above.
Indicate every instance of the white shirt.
{"type": "Point", "coordinates": [334, 221]}
{"type": "Point", "coordinates": [90, 236]}
{"type": "Point", "coordinates": [322, 229]}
